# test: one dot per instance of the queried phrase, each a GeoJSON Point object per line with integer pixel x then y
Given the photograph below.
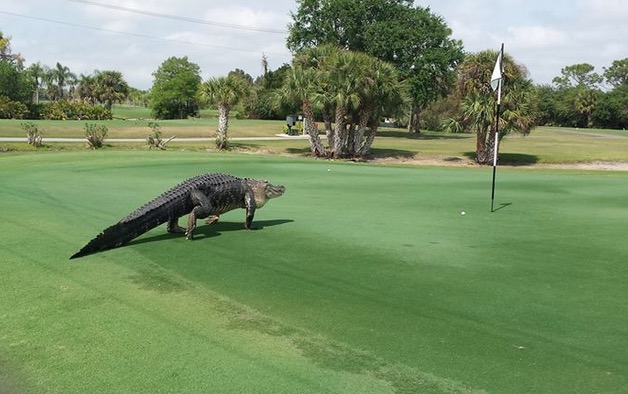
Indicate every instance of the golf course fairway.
{"type": "Point", "coordinates": [360, 279]}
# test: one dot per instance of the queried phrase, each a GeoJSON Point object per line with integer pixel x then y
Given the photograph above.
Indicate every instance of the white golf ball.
{"type": "Point", "coordinates": [463, 213]}
{"type": "Point", "coordinates": [329, 169]}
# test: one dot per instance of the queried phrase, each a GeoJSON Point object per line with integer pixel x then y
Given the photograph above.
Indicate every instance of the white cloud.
{"type": "Point", "coordinates": [247, 16]}
{"type": "Point", "coordinates": [537, 37]}
{"type": "Point", "coordinates": [544, 35]}
{"type": "Point", "coordinates": [605, 11]}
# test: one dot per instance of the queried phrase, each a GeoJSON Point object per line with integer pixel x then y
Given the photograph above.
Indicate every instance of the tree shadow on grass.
{"type": "Point", "coordinates": [209, 231]}
{"type": "Point", "coordinates": [422, 136]}
{"type": "Point", "coordinates": [376, 153]}
{"type": "Point", "coordinates": [300, 151]}
{"type": "Point", "coordinates": [383, 153]}
{"type": "Point", "coordinates": [510, 159]}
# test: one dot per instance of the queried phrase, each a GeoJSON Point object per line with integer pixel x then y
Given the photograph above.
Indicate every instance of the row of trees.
{"type": "Point", "coordinates": [23, 88]}
{"type": "Point", "coordinates": [356, 62]}
{"type": "Point", "coordinates": [15, 88]}
{"type": "Point", "coordinates": [579, 97]}
{"type": "Point", "coordinates": [449, 90]}
{"type": "Point", "coordinates": [576, 98]}
{"type": "Point", "coordinates": [413, 39]}
{"type": "Point", "coordinates": [59, 83]}
{"type": "Point", "coordinates": [350, 91]}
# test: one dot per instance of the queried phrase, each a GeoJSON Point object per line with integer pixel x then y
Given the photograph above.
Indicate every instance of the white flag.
{"type": "Point", "coordinates": [496, 78]}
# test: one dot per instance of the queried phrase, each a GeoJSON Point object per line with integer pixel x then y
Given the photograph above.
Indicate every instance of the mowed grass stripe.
{"type": "Point", "coordinates": [362, 277]}
{"type": "Point", "coordinates": [114, 321]}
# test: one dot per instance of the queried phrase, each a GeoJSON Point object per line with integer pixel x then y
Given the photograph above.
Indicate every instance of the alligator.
{"type": "Point", "coordinates": [204, 196]}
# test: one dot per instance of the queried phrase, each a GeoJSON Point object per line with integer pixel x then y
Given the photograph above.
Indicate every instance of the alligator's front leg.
{"type": "Point", "coordinates": [202, 209]}
{"type": "Point", "coordinates": [249, 202]}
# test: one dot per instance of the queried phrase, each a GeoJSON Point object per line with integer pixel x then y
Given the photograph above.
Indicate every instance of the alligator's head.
{"type": "Point", "coordinates": [264, 191]}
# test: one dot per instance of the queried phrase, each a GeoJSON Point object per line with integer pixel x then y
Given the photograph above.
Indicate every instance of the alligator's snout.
{"type": "Point", "coordinates": [274, 191]}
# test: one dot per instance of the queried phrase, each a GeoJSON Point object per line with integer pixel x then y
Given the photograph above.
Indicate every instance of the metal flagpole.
{"type": "Point", "coordinates": [497, 72]}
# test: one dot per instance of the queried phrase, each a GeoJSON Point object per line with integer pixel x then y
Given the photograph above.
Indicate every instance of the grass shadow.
{"type": "Point", "coordinates": [214, 230]}
{"type": "Point", "coordinates": [381, 153]}
{"type": "Point", "coordinates": [376, 153]}
{"type": "Point", "coordinates": [502, 206]}
{"type": "Point", "coordinates": [511, 159]}
{"type": "Point", "coordinates": [299, 151]}
{"type": "Point", "coordinates": [422, 136]}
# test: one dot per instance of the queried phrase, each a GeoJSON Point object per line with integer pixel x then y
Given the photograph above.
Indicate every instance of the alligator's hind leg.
{"type": "Point", "coordinates": [202, 209]}
{"type": "Point", "coordinates": [173, 226]}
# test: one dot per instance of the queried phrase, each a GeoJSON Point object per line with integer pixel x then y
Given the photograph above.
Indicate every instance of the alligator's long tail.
{"type": "Point", "coordinates": [123, 231]}
{"type": "Point", "coordinates": [173, 203]}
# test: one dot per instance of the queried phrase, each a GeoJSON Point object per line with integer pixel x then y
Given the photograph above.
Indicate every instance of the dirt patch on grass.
{"type": "Point", "coordinates": [465, 162]}
{"type": "Point", "coordinates": [598, 165]}
{"type": "Point", "coordinates": [427, 161]}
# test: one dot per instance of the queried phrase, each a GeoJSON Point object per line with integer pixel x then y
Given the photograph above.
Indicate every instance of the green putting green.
{"type": "Point", "coordinates": [360, 279]}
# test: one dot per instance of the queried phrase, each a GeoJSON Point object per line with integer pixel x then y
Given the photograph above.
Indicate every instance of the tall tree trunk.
{"type": "Point", "coordinates": [340, 132]}
{"type": "Point", "coordinates": [223, 125]}
{"type": "Point", "coordinates": [366, 113]}
{"type": "Point", "coordinates": [327, 119]}
{"type": "Point", "coordinates": [329, 130]}
{"type": "Point", "coordinates": [484, 148]}
{"type": "Point", "coordinates": [350, 141]}
{"type": "Point", "coordinates": [331, 140]}
{"type": "Point", "coordinates": [365, 149]}
{"type": "Point", "coordinates": [413, 121]}
{"type": "Point", "coordinates": [316, 147]}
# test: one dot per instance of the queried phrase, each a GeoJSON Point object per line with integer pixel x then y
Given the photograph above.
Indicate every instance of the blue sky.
{"type": "Point", "coordinates": [543, 35]}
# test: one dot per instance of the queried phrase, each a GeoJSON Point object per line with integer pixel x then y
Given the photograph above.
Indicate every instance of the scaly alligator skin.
{"type": "Point", "coordinates": [204, 196]}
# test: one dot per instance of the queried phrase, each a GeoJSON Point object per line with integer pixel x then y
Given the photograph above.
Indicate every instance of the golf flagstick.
{"type": "Point", "coordinates": [496, 84]}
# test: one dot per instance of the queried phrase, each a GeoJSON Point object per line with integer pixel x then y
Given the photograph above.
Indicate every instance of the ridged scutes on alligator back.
{"type": "Point", "coordinates": [207, 195]}
{"type": "Point", "coordinates": [177, 193]}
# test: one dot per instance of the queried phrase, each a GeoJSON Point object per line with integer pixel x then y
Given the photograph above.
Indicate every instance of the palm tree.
{"type": "Point", "coordinates": [586, 101]}
{"type": "Point", "coordinates": [479, 101]}
{"type": "Point", "coordinates": [36, 72]}
{"type": "Point", "coordinates": [363, 89]}
{"type": "Point", "coordinates": [58, 78]}
{"type": "Point", "coordinates": [344, 72]}
{"type": "Point", "coordinates": [300, 85]}
{"type": "Point", "coordinates": [110, 87]}
{"type": "Point", "coordinates": [224, 92]}
{"type": "Point", "coordinates": [383, 94]}
{"type": "Point", "coordinates": [51, 90]}
{"type": "Point", "coordinates": [87, 88]}
{"type": "Point", "coordinates": [357, 87]}
{"type": "Point", "coordinates": [479, 111]}
{"type": "Point", "coordinates": [315, 58]}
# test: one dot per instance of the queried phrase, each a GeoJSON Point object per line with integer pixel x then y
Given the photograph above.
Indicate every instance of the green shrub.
{"type": "Point", "coordinates": [95, 135]}
{"type": "Point", "coordinates": [35, 111]}
{"type": "Point", "coordinates": [33, 134]}
{"type": "Point", "coordinates": [12, 109]}
{"type": "Point", "coordinates": [69, 110]}
{"type": "Point", "coordinates": [154, 139]}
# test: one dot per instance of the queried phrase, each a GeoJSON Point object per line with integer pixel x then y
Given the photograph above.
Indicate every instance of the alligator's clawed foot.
{"type": "Point", "coordinates": [212, 219]}
{"type": "Point", "coordinates": [176, 230]}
